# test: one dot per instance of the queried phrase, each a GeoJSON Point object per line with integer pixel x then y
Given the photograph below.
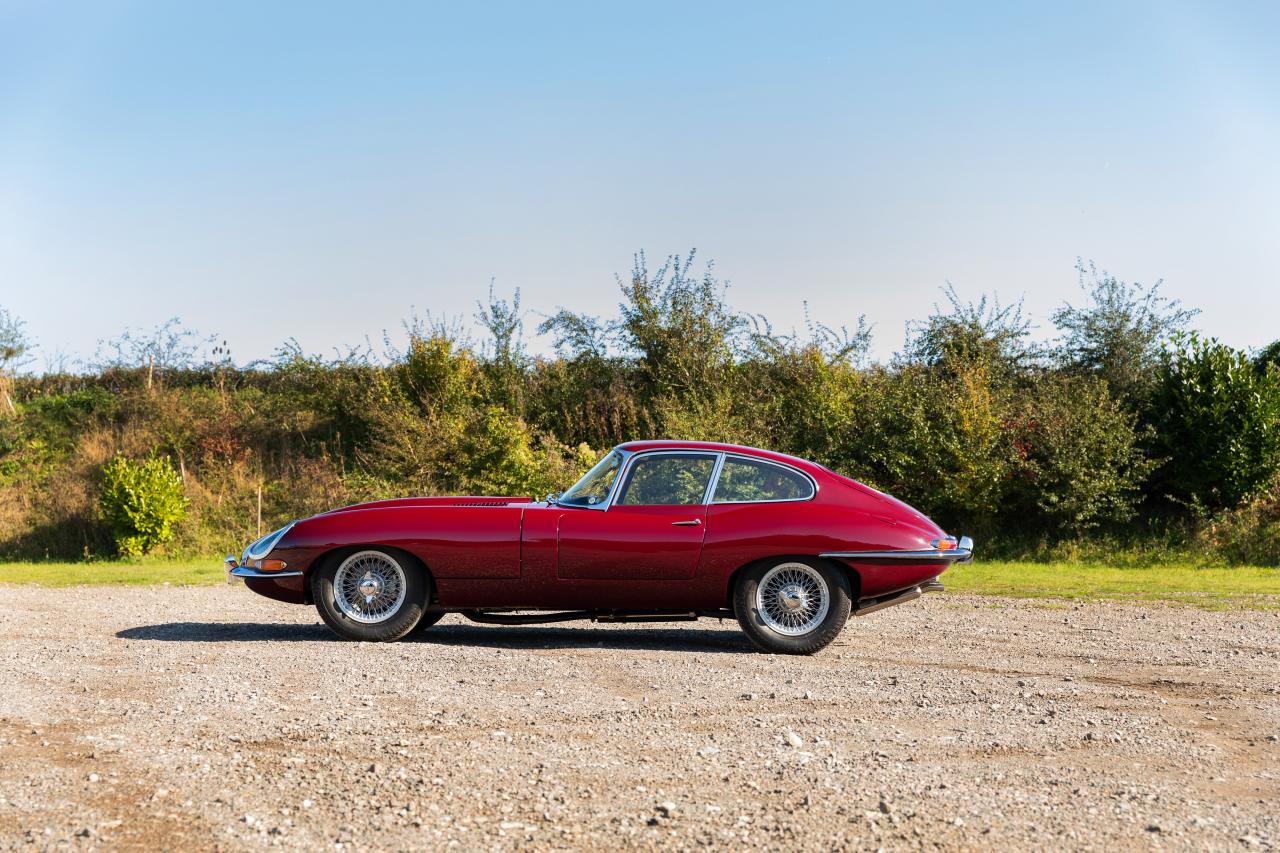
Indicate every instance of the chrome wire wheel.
{"type": "Point", "coordinates": [369, 587]}
{"type": "Point", "coordinates": [793, 599]}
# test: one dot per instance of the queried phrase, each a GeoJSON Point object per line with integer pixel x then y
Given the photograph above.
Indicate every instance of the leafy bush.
{"type": "Point", "coordinates": [1218, 425]}
{"type": "Point", "coordinates": [973, 421]}
{"type": "Point", "coordinates": [1249, 534]}
{"type": "Point", "coordinates": [1119, 332]}
{"type": "Point", "coordinates": [1077, 456]}
{"type": "Point", "coordinates": [141, 501]}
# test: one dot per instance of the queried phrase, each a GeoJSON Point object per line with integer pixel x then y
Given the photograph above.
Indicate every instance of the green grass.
{"type": "Point", "coordinates": [1214, 588]}
{"type": "Point", "coordinates": [203, 571]}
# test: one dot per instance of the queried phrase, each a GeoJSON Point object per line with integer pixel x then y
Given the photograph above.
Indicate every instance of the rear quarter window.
{"type": "Point", "coordinates": [750, 480]}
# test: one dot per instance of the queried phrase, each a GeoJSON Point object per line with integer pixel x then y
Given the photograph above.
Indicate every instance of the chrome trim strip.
{"type": "Point", "coordinates": [962, 553]}
{"type": "Point", "coordinates": [246, 572]}
{"type": "Point", "coordinates": [608, 499]}
{"type": "Point", "coordinates": [715, 479]}
{"type": "Point", "coordinates": [629, 462]}
{"type": "Point", "coordinates": [813, 484]}
{"type": "Point", "coordinates": [275, 536]}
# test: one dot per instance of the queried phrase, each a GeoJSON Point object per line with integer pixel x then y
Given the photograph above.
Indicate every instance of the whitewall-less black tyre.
{"type": "Point", "coordinates": [794, 606]}
{"type": "Point", "coordinates": [372, 594]}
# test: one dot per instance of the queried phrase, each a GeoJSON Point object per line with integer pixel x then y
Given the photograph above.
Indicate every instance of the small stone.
{"type": "Point", "coordinates": [666, 808]}
{"type": "Point", "coordinates": [94, 777]}
{"type": "Point", "coordinates": [792, 738]}
{"type": "Point", "coordinates": [885, 808]}
{"type": "Point", "coordinates": [748, 697]}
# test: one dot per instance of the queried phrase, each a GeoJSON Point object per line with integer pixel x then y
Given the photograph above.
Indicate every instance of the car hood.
{"type": "Point", "coordinates": [461, 500]}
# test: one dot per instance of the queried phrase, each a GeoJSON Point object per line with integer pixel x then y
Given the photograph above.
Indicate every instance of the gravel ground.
{"type": "Point", "coordinates": [209, 718]}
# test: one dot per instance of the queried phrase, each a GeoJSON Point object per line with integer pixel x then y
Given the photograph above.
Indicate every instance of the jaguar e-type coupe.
{"type": "Point", "coordinates": [656, 531]}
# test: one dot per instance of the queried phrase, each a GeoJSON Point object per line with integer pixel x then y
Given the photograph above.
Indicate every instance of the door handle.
{"type": "Point", "coordinates": [693, 522]}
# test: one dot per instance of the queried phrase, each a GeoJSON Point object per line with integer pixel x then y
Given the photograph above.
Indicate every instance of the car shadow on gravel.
{"type": "Point", "coordinates": [494, 637]}
{"type": "Point", "coordinates": [622, 637]}
{"type": "Point", "coordinates": [226, 632]}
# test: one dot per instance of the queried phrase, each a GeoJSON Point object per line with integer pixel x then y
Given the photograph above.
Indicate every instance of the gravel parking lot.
{"type": "Point", "coordinates": [198, 718]}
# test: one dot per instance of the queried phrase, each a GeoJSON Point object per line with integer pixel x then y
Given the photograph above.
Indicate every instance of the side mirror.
{"type": "Point", "coordinates": [552, 497]}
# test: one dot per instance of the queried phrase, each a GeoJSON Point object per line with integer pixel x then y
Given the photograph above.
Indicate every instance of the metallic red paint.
{"type": "Point", "coordinates": [484, 552]}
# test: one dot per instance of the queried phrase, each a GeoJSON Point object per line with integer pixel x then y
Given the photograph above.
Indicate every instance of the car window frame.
{"type": "Point", "coordinates": [629, 458]}
{"type": "Point", "coordinates": [628, 467]}
{"type": "Point", "coordinates": [813, 484]}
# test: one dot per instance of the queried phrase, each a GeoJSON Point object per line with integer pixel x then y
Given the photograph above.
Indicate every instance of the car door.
{"type": "Point", "coordinates": [651, 530]}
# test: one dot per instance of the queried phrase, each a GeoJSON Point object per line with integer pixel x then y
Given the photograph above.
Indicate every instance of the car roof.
{"type": "Point", "coordinates": [718, 447]}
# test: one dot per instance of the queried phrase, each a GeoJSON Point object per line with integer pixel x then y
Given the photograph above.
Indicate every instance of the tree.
{"type": "Point", "coordinates": [164, 348]}
{"type": "Point", "coordinates": [983, 334]}
{"type": "Point", "coordinates": [14, 349]}
{"type": "Point", "coordinates": [505, 361]}
{"type": "Point", "coordinates": [1119, 331]}
{"type": "Point", "coordinates": [1269, 357]}
{"type": "Point", "coordinates": [1218, 424]}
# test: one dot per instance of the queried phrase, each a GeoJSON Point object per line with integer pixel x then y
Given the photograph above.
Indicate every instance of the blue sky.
{"type": "Point", "coordinates": [313, 170]}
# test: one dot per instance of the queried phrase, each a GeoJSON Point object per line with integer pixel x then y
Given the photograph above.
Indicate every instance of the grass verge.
{"type": "Point", "coordinates": [1211, 588]}
{"type": "Point", "coordinates": [203, 571]}
{"type": "Point", "coordinates": [1217, 588]}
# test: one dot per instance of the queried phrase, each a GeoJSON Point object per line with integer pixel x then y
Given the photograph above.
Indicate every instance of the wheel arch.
{"type": "Point", "coordinates": [339, 552]}
{"type": "Point", "coordinates": [855, 580]}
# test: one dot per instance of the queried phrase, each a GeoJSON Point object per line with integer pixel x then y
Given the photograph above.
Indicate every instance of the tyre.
{"type": "Point", "coordinates": [429, 618]}
{"type": "Point", "coordinates": [792, 606]}
{"type": "Point", "coordinates": [373, 594]}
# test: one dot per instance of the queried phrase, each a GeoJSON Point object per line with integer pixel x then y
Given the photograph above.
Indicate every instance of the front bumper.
{"type": "Point", "coordinates": [235, 570]}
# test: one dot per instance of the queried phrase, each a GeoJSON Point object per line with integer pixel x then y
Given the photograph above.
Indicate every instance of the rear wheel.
{"type": "Point", "coordinates": [794, 606]}
{"type": "Point", "coordinates": [372, 594]}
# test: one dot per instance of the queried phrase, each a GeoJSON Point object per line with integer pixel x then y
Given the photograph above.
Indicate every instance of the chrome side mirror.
{"type": "Point", "coordinates": [552, 497]}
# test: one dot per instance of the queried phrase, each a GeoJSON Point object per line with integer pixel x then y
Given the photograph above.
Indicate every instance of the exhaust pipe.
{"type": "Point", "coordinates": [902, 596]}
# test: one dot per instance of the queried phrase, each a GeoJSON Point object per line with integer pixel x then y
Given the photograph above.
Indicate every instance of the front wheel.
{"type": "Point", "coordinates": [794, 606]}
{"type": "Point", "coordinates": [372, 594]}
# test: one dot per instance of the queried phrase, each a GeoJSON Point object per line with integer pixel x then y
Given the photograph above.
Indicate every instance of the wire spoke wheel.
{"type": "Point", "coordinates": [369, 587]}
{"type": "Point", "coordinates": [793, 599]}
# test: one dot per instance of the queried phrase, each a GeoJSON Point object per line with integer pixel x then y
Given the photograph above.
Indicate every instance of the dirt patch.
{"type": "Point", "coordinates": [209, 718]}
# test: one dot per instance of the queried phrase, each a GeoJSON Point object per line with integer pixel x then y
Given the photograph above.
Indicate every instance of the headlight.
{"type": "Point", "coordinates": [261, 548]}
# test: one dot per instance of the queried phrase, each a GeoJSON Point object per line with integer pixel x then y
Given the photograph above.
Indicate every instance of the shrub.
{"type": "Point", "coordinates": [1218, 425]}
{"type": "Point", "coordinates": [1248, 535]}
{"type": "Point", "coordinates": [141, 501]}
{"type": "Point", "coordinates": [1077, 459]}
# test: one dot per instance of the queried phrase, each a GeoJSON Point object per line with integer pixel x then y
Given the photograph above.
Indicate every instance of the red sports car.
{"type": "Point", "coordinates": [656, 531]}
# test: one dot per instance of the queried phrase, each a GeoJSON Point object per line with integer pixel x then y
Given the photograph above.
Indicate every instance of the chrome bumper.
{"type": "Point", "coordinates": [235, 570]}
{"type": "Point", "coordinates": [962, 553]}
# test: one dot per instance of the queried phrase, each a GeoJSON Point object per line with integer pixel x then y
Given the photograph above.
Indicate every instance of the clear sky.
{"type": "Point", "coordinates": [314, 170]}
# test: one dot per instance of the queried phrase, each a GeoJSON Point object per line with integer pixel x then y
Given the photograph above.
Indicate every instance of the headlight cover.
{"type": "Point", "coordinates": [261, 548]}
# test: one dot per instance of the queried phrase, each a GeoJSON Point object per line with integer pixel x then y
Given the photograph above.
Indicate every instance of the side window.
{"type": "Point", "coordinates": [746, 480]}
{"type": "Point", "coordinates": [668, 479]}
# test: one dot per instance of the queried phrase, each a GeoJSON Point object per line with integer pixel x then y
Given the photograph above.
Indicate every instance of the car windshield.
{"type": "Point", "coordinates": [594, 486]}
